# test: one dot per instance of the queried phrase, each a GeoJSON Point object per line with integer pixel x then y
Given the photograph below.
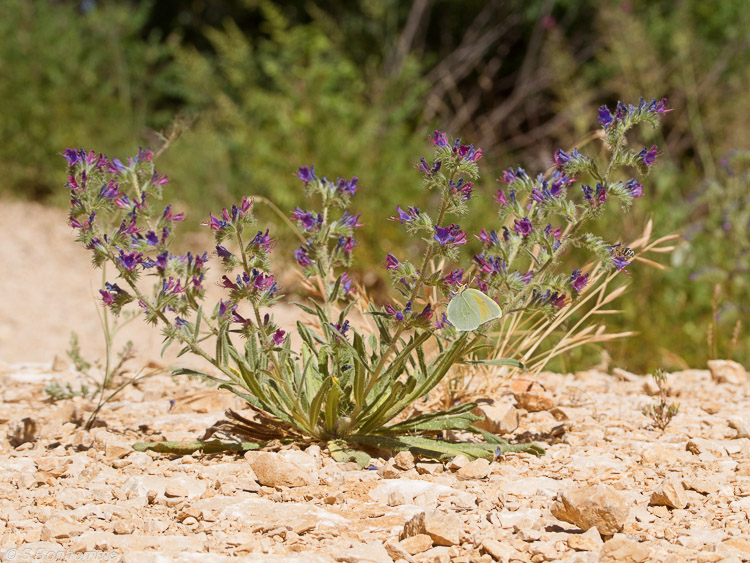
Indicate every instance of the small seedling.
{"type": "Point", "coordinates": [661, 413]}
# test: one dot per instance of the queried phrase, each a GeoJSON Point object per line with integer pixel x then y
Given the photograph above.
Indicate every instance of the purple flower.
{"type": "Point", "coordinates": [303, 259]}
{"type": "Point", "coordinates": [454, 278]}
{"type": "Point", "coordinates": [110, 294]}
{"type": "Point", "coordinates": [264, 282]}
{"type": "Point", "coordinates": [278, 337]}
{"type": "Point", "coordinates": [306, 174]}
{"type": "Point", "coordinates": [587, 193]}
{"type": "Point", "coordinates": [500, 197]}
{"type": "Point", "coordinates": [620, 111]}
{"type": "Point", "coordinates": [425, 168]}
{"type": "Point", "coordinates": [391, 311]}
{"type": "Point", "coordinates": [560, 158]}
{"type": "Point", "coordinates": [342, 328]}
{"type": "Point", "coordinates": [605, 116]}
{"type": "Point", "coordinates": [225, 306]}
{"type": "Point", "coordinates": [527, 277]}
{"type": "Point", "coordinates": [635, 188]}
{"type": "Point", "coordinates": [76, 224]}
{"type": "Point", "coordinates": [215, 224]}
{"type": "Point", "coordinates": [222, 252]}
{"type": "Point", "coordinates": [426, 313]}
{"type": "Point", "coordinates": [601, 194]}
{"type": "Point", "coordinates": [131, 260]}
{"type": "Point", "coordinates": [557, 300]}
{"type": "Point", "coordinates": [347, 187]}
{"type": "Point", "coordinates": [391, 262]}
{"type": "Point", "coordinates": [110, 191]}
{"type": "Point", "coordinates": [548, 298]}
{"type": "Point", "coordinates": [489, 239]}
{"type": "Point", "coordinates": [579, 281]}
{"type": "Point", "coordinates": [522, 227]}
{"type": "Point", "coordinates": [144, 154]}
{"type": "Point", "coordinates": [239, 318]}
{"type": "Point", "coordinates": [405, 216]}
{"type": "Point", "coordinates": [559, 183]}
{"type": "Point", "coordinates": [169, 285]}
{"type": "Point", "coordinates": [648, 155]}
{"type": "Point", "coordinates": [179, 321]}
{"type": "Point", "coordinates": [439, 139]}
{"type": "Point", "coordinates": [451, 234]}
{"type": "Point", "coordinates": [483, 264]}
{"type": "Point", "coordinates": [469, 153]}
{"type": "Point", "coordinates": [351, 220]}
{"type": "Point", "coordinates": [537, 195]}
{"type": "Point", "coordinates": [346, 244]}
{"type": "Point", "coordinates": [481, 285]}
{"type": "Point", "coordinates": [346, 283]}
{"type": "Point", "coordinates": [511, 175]}
{"type": "Point", "coordinates": [462, 188]}
{"type": "Point", "coordinates": [159, 181]}
{"type": "Point", "coordinates": [442, 322]}
{"type": "Point", "coordinates": [262, 240]}
{"type": "Point", "coordinates": [659, 106]}
{"type": "Point", "coordinates": [73, 156]}
{"type": "Point", "coordinates": [490, 264]}
{"type": "Point", "coordinates": [115, 167]}
{"type": "Point", "coordinates": [169, 216]}
{"type": "Point", "coordinates": [152, 239]}
{"type": "Point", "coordinates": [556, 233]}
{"type": "Point", "coordinates": [621, 263]}
{"type": "Point", "coordinates": [306, 219]}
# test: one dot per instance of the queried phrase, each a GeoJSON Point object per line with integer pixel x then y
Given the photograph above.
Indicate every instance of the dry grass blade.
{"type": "Point", "coordinates": [262, 427]}
{"type": "Point", "coordinates": [536, 340]}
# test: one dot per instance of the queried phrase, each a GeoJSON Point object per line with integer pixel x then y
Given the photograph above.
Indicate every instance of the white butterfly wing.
{"type": "Point", "coordinates": [463, 312]}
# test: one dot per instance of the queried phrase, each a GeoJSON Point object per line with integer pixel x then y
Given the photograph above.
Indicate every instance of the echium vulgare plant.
{"type": "Point", "coordinates": [541, 218]}
{"type": "Point", "coordinates": [338, 383]}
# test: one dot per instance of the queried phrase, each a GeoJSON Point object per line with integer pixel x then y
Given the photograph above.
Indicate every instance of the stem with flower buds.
{"type": "Point", "coordinates": [373, 379]}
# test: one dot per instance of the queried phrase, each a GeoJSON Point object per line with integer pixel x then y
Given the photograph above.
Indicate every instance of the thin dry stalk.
{"type": "Point", "coordinates": [522, 335]}
{"type": "Point", "coordinates": [735, 337]}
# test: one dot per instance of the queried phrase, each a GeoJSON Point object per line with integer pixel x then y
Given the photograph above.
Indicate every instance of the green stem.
{"type": "Point", "coordinates": [373, 378]}
{"type": "Point", "coordinates": [136, 379]}
{"type": "Point", "coordinates": [279, 376]}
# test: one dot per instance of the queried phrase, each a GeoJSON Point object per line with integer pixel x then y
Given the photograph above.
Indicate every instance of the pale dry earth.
{"type": "Point", "coordinates": [610, 487]}
{"type": "Point", "coordinates": [66, 490]}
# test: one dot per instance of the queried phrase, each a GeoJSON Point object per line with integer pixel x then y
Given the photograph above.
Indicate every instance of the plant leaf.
{"type": "Point", "coordinates": [187, 448]}
{"type": "Point", "coordinates": [498, 362]}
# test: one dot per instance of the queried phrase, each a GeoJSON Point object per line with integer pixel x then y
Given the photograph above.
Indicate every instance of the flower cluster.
{"type": "Point", "coordinates": [329, 242]}
{"type": "Point", "coordinates": [341, 384]}
{"type": "Point", "coordinates": [111, 208]}
{"type": "Point", "coordinates": [541, 217]}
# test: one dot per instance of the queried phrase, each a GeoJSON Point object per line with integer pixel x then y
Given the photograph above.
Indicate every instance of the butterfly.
{"type": "Point", "coordinates": [620, 251]}
{"type": "Point", "coordinates": [470, 308]}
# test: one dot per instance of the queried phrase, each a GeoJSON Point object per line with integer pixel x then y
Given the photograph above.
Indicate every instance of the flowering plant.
{"type": "Point", "coordinates": [338, 383]}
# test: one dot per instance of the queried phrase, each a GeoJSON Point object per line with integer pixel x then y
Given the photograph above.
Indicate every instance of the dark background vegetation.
{"type": "Point", "coordinates": [354, 87]}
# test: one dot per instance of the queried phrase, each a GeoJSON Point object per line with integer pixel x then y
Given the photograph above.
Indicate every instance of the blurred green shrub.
{"type": "Point", "coordinates": [290, 97]}
{"type": "Point", "coordinates": [70, 77]}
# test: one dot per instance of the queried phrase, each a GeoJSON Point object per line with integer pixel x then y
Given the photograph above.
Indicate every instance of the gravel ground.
{"type": "Point", "coordinates": [639, 494]}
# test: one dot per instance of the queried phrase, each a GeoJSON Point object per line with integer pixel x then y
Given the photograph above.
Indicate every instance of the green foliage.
{"type": "Point", "coordinates": [69, 77]}
{"type": "Point", "coordinates": [268, 104]}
